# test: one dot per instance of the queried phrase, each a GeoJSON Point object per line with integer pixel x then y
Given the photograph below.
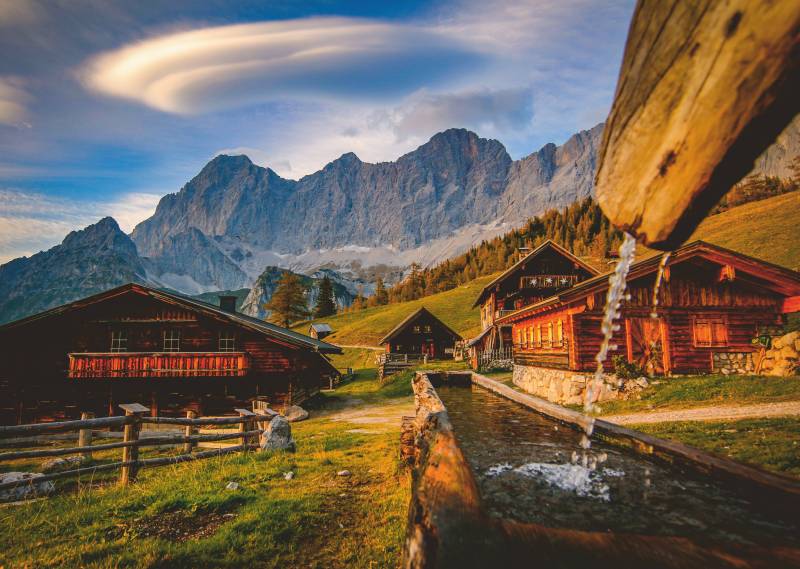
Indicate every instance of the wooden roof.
{"type": "Point", "coordinates": [516, 267]}
{"type": "Point", "coordinates": [273, 331]}
{"type": "Point", "coordinates": [411, 317]}
{"type": "Point", "coordinates": [776, 278]}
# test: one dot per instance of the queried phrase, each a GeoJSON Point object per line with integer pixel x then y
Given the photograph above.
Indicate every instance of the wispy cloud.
{"type": "Point", "coordinates": [13, 100]}
{"type": "Point", "coordinates": [225, 66]}
{"type": "Point", "coordinates": [31, 222]}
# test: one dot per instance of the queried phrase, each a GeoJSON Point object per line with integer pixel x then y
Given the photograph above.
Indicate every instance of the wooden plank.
{"type": "Point", "coordinates": [37, 428]}
{"type": "Point", "coordinates": [133, 408]}
{"type": "Point", "coordinates": [705, 87]}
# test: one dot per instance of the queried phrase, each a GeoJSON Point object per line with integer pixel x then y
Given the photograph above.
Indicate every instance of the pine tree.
{"type": "Point", "coordinates": [381, 296]}
{"type": "Point", "coordinates": [288, 302]}
{"type": "Point", "coordinates": [326, 305]}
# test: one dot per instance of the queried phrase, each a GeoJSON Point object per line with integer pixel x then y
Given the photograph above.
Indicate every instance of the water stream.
{"type": "Point", "coordinates": [662, 264]}
{"type": "Point", "coordinates": [522, 462]}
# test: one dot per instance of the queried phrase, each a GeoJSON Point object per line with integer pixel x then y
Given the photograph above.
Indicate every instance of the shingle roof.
{"type": "Point", "coordinates": [322, 327]}
{"type": "Point", "coordinates": [262, 326]}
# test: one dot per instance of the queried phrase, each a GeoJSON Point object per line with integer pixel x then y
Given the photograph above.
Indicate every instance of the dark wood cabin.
{"type": "Point", "coordinates": [711, 301]}
{"type": "Point", "coordinates": [320, 330]}
{"type": "Point", "coordinates": [544, 271]}
{"type": "Point", "coordinates": [166, 351]}
{"type": "Point", "coordinates": [423, 334]}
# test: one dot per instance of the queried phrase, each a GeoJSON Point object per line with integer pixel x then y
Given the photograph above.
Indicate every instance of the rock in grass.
{"type": "Point", "coordinates": [277, 435]}
{"type": "Point", "coordinates": [295, 413]}
{"type": "Point", "coordinates": [288, 475]}
{"type": "Point", "coordinates": [232, 486]}
{"type": "Point", "coordinates": [344, 473]}
{"type": "Point", "coordinates": [65, 463]}
{"type": "Point", "coordinates": [30, 490]}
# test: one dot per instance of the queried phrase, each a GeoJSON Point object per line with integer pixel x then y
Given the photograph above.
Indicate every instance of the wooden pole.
{"type": "Point", "coordinates": [246, 425]}
{"type": "Point", "coordinates": [189, 431]}
{"type": "Point", "coordinates": [85, 435]}
{"type": "Point", "coordinates": [131, 434]}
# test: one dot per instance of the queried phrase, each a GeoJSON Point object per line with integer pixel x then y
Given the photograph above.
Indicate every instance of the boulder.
{"type": "Point", "coordinates": [64, 463]}
{"type": "Point", "coordinates": [277, 435]}
{"type": "Point", "coordinates": [30, 490]}
{"type": "Point", "coordinates": [295, 413]}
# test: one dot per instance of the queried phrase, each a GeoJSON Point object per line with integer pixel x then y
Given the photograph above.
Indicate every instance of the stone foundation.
{"type": "Point", "coordinates": [569, 387]}
{"type": "Point", "coordinates": [733, 362]}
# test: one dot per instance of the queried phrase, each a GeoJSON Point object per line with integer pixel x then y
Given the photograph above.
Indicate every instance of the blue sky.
{"type": "Point", "coordinates": [107, 106]}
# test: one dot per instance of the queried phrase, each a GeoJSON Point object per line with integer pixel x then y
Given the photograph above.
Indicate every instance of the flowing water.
{"type": "Point", "coordinates": [525, 468]}
{"type": "Point", "coordinates": [657, 286]}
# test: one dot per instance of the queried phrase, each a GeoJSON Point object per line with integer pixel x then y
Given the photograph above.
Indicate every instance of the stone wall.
{"type": "Point", "coordinates": [782, 357]}
{"type": "Point", "coordinates": [733, 362]}
{"type": "Point", "coordinates": [569, 387]}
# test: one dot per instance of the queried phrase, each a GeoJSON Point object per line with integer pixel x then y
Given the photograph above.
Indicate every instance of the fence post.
{"type": "Point", "coordinates": [131, 435]}
{"type": "Point", "coordinates": [189, 431]}
{"type": "Point", "coordinates": [244, 426]}
{"type": "Point", "coordinates": [85, 435]}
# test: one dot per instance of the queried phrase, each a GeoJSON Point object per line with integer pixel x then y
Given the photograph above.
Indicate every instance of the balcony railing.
{"type": "Point", "coordinates": [158, 364]}
{"type": "Point", "coordinates": [548, 281]}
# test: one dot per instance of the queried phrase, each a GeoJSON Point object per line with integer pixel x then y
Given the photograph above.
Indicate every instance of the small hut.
{"type": "Point", "coordinates": [421, 333]}
{"type": "Point", "coordinates": [320, 330]}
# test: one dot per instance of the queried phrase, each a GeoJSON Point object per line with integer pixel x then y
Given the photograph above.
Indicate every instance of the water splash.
{"type": "Point", "coordinates": [616, 293]}
{"type": "Point", "coordinates": [657, 286]}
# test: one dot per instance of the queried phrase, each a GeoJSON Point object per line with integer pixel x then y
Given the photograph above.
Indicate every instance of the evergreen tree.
{"type": "Point", "coordinates": [288, 302]}
{"type": "Point", "coordinates": [381, 295]}
{"type": "Point", "coordinates": [326, 305]}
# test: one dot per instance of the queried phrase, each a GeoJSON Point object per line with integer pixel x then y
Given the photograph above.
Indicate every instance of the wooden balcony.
{"type": "Point", "coordinates": [158, 364]}
{"type": "Point", "coordinates": [549, 281]}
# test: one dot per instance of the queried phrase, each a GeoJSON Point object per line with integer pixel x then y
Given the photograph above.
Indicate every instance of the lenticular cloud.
{"type": "Point", "coordinates": [215, 68]}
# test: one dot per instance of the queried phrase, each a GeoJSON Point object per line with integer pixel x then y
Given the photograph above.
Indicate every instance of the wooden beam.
{"type": "Point", "coordinates": [705, 87]}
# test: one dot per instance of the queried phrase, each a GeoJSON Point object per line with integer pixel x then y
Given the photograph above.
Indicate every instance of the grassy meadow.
{"type": "Point", "coordinates": [182, 515]}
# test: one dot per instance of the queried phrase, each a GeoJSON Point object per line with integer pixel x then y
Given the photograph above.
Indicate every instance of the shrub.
{"type": "Point", "coordinates": [625, 369]}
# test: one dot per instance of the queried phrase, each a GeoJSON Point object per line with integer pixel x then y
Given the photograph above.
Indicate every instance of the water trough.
{"type": "Point", "coordinates": [500, 480]}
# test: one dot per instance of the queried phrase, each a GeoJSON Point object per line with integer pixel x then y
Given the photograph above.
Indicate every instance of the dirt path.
{"type": "Point", "coordinates": [718, 413]}
{"type": "Point", "coordinates": [375, 418]}
{"type": "Point", "coordinates": [360, 347]}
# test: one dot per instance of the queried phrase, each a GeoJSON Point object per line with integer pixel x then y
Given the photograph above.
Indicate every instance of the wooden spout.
{"type": "Point", "coordinates": [705, 87]}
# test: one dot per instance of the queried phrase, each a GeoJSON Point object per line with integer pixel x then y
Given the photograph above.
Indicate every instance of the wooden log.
{"type": "Point", "coordinates": [186, 421]}
{"type": "Point", "coordinates": [66, 473]}
{"type": "Point", "coordinates": [130, 454]}
{"type": "Point", "coordinates": [85, 436]}
{"type": "Point", "coordinates": [189, 431]}
{"type": "Point", "coordinates": [35, 429]}
{"type": "Point", "coordinates": [246, 425]}
{"type": "Point", "coordinates": [705, 87]}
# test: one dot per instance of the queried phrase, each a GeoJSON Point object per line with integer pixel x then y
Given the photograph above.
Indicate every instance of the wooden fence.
{"type": "Point", "coordinates": [131, 423]}
{"type": "Point", "coordinates": [392, 363]}
{"type": "Point", "coordinates": [487, 357]}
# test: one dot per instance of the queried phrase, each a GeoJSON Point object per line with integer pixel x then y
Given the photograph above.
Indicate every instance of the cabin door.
{"type": "Point", "coordinates": [645, 344]}
{"type": "Point", "coordinates": [429, 348]}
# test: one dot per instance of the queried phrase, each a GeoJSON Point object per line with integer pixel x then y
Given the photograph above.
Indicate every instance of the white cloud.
{"type": "Point", "coordinates": [13, 99]}
{"type": "Point", "coordinates": [31, 222]}
{"type": "Point", "coordinates": [220, 67]}
{"type": "Point", "coordinates": [489, 112]}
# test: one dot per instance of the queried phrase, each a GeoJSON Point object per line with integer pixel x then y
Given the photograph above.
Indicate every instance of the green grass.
{"type": "Point", "coordinates": [773, 444]}
{"type": "Point", "coordinates": [366, 327]}
{"type": "Point", "coordinates": [707, 390]}
{"type": "Point", "coordinates": [764, 229]}
{"type": "Point", "coordinates": [275, 522]}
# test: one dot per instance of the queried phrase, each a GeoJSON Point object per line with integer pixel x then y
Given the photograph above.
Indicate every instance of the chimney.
{"type": "Point", "coordinates": [227, 303]}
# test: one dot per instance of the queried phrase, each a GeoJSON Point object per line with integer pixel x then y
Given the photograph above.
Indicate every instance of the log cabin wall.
{"type": "Point", "coordinates": [693, 295]}
{"type": "Point", "coordinates": [35, 384]}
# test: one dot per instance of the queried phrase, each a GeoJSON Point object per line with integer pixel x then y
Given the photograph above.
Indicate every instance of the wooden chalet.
{"type": "Point", "coordinates": [711, 301]}
{"type": "Point", "coordinates": [135, 343]}
{"type": "Point", "coordinates": [421, 334]}
{"type": "Point", "coordinates": [320, 330]}
{"type": "Point", "coordinates": [546, 270]}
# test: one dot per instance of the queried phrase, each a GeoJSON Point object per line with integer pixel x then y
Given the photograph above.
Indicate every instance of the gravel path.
{"type": "Point", "coordinates": [717, 413]}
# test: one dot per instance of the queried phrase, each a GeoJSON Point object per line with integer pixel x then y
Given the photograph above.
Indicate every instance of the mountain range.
{"type": "Point", "coordinates": [235, 222]}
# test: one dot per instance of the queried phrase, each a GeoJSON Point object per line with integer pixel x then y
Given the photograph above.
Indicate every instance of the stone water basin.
{"type": "Point", "coordinates": [532, 469]}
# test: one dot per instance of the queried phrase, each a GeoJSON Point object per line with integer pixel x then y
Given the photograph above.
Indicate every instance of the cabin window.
{"type": "Point", "coordinates": [537, 339]}
{"type": "Point", "coordinates": [172, 340]}
{"type": "Point", "coordinates": [427, 329]}
{"type": "Point", "coordinates": [119, 341]}
{"type": "Point", "coordinates": [547, 334]}
{"type": "Point", "coordinates": [227, 342]}
{"type": "Point", "coordinates": [530, 336]}
{"type": "Point", "coordinates": [417, 329]}
{"type": "Point", "coordinates": [710, 332]}
{"type": "Point", "coordinates": [560, 332]}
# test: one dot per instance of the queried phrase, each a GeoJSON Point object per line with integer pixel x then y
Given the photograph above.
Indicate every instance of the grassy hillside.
{"type": "Point", "coordinates": [366, 327]}
{"type": "Point", "coordinates": [766, 229]}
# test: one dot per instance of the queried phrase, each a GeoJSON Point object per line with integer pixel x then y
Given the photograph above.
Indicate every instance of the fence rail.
{"type": "Point", "coordinates": [132, 421]}
{"type": "Point", "coordinates": [487, 357]}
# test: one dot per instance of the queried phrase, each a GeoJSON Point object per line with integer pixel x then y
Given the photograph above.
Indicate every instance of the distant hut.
{"type": "Point", "coordinates": [421, 333]}
{"type": "Point", "coordinates": [320, 330]}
